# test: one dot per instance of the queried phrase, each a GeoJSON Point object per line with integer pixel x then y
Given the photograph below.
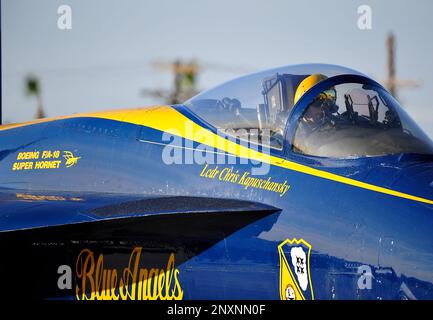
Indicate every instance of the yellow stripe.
{"type": "Point", "coordinates": [168, 119]}
{"type": "Point", "coordinates": [135, 116]}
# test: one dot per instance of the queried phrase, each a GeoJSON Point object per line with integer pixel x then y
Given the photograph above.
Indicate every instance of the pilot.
{"type": "Point", "coordinates": [320, 110]}
{"type": "Point", "coordinates": [317, 115]}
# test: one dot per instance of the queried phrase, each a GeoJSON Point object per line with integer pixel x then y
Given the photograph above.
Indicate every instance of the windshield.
{"type": "Point", "coordinates": [258, 104]}
{"type": "Point", "coordinates": [357, 120]}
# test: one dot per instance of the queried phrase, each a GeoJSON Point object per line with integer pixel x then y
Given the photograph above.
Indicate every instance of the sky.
{"type": "Point", "coordinates": [105, 60]}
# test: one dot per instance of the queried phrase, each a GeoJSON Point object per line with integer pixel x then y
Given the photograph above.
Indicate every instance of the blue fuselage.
{"type": "Point", "coordinates": [348, 227]}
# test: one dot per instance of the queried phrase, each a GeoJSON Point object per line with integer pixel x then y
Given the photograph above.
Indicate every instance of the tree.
{"type": "Point", "coordinates": [33, 88]}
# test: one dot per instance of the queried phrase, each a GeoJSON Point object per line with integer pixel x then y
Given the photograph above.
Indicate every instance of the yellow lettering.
{"type": "Point", "coordinates": [84, 272]}
{"type": "Point", "coordinates": [96, 282]}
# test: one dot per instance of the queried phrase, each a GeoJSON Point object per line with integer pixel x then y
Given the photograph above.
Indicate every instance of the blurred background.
{"type": "Point", "coordinates": [132, 53]}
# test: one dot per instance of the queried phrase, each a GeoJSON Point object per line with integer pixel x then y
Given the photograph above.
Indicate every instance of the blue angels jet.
{"type": "Point", "coordinates": [301, 182]}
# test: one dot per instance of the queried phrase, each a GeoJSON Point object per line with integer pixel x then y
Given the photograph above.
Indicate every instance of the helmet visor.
{"type": "Point", "coordinates": [328, 96]}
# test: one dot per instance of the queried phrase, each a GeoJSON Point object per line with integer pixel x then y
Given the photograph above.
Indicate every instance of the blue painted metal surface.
{"type": "Point", "coordinates": [346, 226]}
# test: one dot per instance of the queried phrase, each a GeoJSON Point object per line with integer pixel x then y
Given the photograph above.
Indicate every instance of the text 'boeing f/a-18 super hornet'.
{"type": "Point", "coordinates": [301, 182]}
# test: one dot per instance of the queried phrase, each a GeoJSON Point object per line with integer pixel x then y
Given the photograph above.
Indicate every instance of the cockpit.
{"type": "Point", "coordinates": [315, 110]}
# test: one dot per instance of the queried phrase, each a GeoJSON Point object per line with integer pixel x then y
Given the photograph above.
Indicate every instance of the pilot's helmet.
{"type": "Point", "coordinates": [307, 84]}
{"type": "Point", "coordinates": [326, 98]}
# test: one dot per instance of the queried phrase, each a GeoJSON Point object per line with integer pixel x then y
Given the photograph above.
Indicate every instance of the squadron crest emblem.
{"type": "Point", "coordinates": [295, 277]}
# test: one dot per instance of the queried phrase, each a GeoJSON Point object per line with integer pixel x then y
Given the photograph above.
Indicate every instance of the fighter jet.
{"type": "Point", "coordinates": [295, 183]}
